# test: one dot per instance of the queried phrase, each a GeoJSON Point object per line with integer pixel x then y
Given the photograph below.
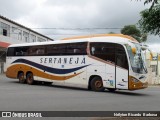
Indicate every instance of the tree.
{"type": "Point", "coordinates": [153, 2]}
{"type": "Point", "coordinates": [133, 31]}
{"type": "Point", "coordinates": [150, 20]}
{"type": "Point", "coordinates": [111, 33]}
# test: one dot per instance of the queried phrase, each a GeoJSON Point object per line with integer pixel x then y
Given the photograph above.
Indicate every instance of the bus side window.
{"type": "Point", "coordinates": [92, 50]}
{"type": "Point", "coordinates": [76, 51]}
{"type": "Point", "coordinates": [31, 51]}
{"type": "Point", "coordinates": [40, 51]}
{"type": "Point", "coordinates": [11, 51]}
{"type": "Point", "coordinates": [55, 49]}
{"type": "Point", "coordinates": [76, 48]}
{"type": "Point", "coordinates": [121, 58]}
{"type": "Point", "coordinates": [104, 51]}
{"type": "Point", "coordinates": [51, 49]}
{"type": "Point", "coordinates": [36, 50]}
{"type": "Point", "coordinates": [20, 51]}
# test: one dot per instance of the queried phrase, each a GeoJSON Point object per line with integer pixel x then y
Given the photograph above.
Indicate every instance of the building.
{"type": "Point", "coordinates": [13, 33]}
{"type": "Point", "coordinates": [153, 66]}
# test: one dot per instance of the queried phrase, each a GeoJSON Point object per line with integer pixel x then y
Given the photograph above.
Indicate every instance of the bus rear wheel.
{"type": "Point", "coordinates": [97, 84]}
{"type": "Point", "coordinates": [30, 79]}
{"type": "Point", "coordinates": [21, 78]}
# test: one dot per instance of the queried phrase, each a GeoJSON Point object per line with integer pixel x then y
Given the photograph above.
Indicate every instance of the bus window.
{"type": "Point", "coordinates": [36, 50]}
{"type": "Point", "coordinates": [17, 51]}
{"type": "Point", "coordinates": [105, 51]}
{"type": "Point", "coordinates": [121, 58]}
{"type": "Point", "coordinates": [10, 51]}
{"type": "Point", "coordinates": [56, 49]}
{"type": "Point", "coordinates": [21, 51]}
{"type": "Point", "coordinates": [76, 49]}
{"type": "Point", "coordinates": [67, 49]}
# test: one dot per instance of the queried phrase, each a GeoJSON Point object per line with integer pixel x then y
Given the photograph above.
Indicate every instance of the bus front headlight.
{"type": "Point", "coordinates": [134, 80]}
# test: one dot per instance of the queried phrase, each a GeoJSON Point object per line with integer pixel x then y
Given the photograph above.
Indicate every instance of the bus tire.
{"type": "Point", "coordinates": [30, 79]}
{"type": "Point", "coordinates": [21, 78]}
{"type": "Point", "coordinates": [97, 84]}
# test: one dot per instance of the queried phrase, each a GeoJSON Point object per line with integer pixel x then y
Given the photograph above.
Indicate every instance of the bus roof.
{"type": "Point", "coordinates": [115, 38]}
{"type": "Point", "coordinates": [102, 35]}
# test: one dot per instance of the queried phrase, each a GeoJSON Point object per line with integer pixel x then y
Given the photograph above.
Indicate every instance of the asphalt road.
{"type": "Point", "coordinates": [22, 97]}
{"type": "Point", "coordinates": [16, 96]}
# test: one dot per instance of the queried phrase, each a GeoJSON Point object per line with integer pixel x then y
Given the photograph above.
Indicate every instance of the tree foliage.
{"type": "Point", "coordinates": [154, 2]}
{"type": "Point", "coordinates": [133, 31]}
{"type": "Point", "coordinates": [111, 33]}
{"type": "Point", "coordinates": [150, 20]}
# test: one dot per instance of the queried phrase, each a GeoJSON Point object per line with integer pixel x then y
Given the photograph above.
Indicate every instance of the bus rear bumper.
{"type": "Point", "coordinates": [11, 74]}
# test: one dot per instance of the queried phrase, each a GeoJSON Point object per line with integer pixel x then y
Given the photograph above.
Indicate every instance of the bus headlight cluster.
{"type": "Point", "coordinates": [134, 80]}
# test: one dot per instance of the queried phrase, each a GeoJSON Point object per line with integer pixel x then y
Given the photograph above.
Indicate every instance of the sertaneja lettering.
{"type": "Point", "coordinates": [70, 60]}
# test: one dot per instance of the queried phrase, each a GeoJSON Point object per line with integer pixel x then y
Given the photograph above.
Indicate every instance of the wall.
{"type": "Point", "coordinates": [152, 64]}
{"type": "Point", "coordinates": [14, 34]}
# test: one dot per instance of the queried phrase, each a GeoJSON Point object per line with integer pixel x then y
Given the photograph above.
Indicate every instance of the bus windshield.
{"type": "Point", "coordinates": [137, 60]}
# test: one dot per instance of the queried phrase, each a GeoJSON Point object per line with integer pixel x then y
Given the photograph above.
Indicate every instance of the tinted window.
{"type": "Point", "coordinates": [67, 49]}
{"type": "Point", "coordinates": [76, 49]}
{"type": "Point", "coordinates": [105, 51]}
{"type": "Point", "coordinates": [36, 51]}
{"type": "Point", "coordinates": [21, 51]}
{"type": "Point", "coordinates": [10, 52]}
{"type": "Point", "coordinates": [111, 52]}
{"type": "Point", "coordinates": [121, 58]}
{"type": "Point", "coordinates": [17, 51]}
{"type": "Point", "coordinates": [56, 49]}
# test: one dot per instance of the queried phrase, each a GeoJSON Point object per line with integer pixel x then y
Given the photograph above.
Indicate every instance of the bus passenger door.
{"type": "Point", "coordinates": [110, 76]}
{"type": "Point", "coordinates": [121, 68]}
{"type": "Point", "coordinates": [105, 53]}
{"type": "Point", "coordinates": [109, 50]}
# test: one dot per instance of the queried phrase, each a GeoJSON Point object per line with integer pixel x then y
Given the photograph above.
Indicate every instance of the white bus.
{"type": "Point", "coordinates": [112, 61]}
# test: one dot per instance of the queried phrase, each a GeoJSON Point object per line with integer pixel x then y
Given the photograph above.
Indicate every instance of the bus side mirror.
{"type": "Point", "coordinates": [134, 50]}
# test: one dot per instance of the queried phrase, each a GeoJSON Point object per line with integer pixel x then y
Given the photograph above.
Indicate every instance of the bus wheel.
{"type": "Point", "coordinates": [30, 79]}
{"type": "Point", "coordinates": [21, 77]}
{"type": "Point", "coordinates": [111, 89]}
{"type": "Point", "coordinates": [97, 84]}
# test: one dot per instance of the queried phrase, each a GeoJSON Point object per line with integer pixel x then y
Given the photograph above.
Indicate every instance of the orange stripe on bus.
{"type": "Point", "coordinates": [14, 69]}
{"type": "Point", "coordinates": [102, 35]}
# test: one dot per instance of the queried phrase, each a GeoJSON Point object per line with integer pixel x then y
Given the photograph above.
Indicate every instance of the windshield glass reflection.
{"type": "Point", "coordinates": [137, 60]}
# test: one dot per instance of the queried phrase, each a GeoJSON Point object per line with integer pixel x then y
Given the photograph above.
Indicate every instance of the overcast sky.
{"type": "Point", "coordinates": [74, 14]}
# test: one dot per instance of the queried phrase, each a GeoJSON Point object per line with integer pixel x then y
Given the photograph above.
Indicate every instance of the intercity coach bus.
{"type": "Point", "coordinates": [96, 62]}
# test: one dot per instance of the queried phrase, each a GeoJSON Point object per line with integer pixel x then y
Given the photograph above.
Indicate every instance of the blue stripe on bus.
{"type": "Point", "coordinates": [121, 85]}
{"type": "Point", "coordinates": [49, 69]}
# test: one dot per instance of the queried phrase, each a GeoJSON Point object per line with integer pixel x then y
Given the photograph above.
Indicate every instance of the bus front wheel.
{"type": "Point", "coordinates": [97, 84]}
{"type": "Point", "coordinates": [30, 79]}
{"type": "Point", "coordinates": [21, 77]}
